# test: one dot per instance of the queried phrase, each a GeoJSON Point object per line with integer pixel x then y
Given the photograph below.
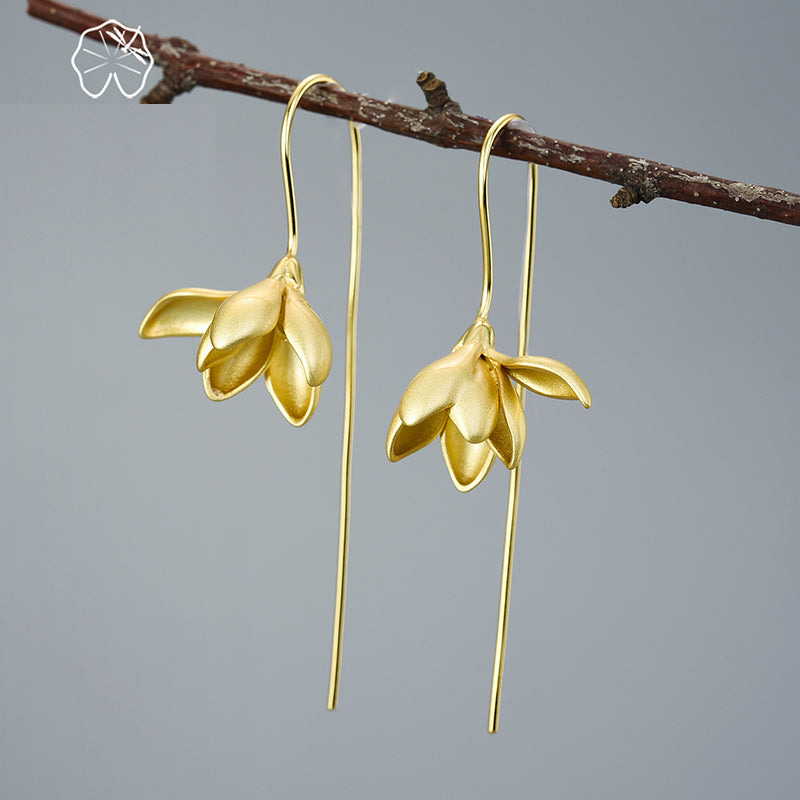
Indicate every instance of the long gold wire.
{"type": "Point", "coordinates": [350, 361]}
{"type": "Point", "coordinates": [514, 480]}
{"type": "Point", "coordinates": [349, 410]}
{"type": "Point", "coordinates": [483, 210]}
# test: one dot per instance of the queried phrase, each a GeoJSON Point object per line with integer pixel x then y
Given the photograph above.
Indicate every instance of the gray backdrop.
{"type": "Point", "coordinates": [167, 564]}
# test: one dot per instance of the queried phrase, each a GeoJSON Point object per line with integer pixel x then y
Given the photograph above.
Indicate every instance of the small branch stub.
{"type": "Point", "coordinates": [436, 96]}
{"type": "Point", "coordinates": [625, 198]}
{"type": "Point", "coordinates": [178, 74]}
{"type": "Point", "coordinates": [629, 195]}
{"type": "Point", "coordinates": [163, 92]}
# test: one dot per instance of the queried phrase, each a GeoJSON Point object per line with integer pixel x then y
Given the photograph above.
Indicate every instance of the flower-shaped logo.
{"type": "Point", "coordinates": [468, 400]}
{"type": "Point", "coordinates": [267, 329]}
{"type": "Point", "coordinates": [121, 54]}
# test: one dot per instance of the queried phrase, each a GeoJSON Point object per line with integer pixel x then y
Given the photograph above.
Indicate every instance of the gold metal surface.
{"type": "Point", "coordinates": [270, 329]}
{"type": "Point", "coordinates": [468, 400]}
{"type": "Point", "coordinates": [515, 477]}
{"type": "Point", "coordinates": [349, 411]}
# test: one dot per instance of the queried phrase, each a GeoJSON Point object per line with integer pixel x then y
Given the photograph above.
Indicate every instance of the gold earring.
{"type": "Point", "coordinates": [468, 401]}
{"type": "Point", "coordinates": [270, 329]}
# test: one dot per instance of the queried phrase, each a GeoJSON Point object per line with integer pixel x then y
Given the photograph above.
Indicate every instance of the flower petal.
{"type": "Point", "coordinates": [475, 411]}
{"type": "Point", "coordinates": [545, 376]}
{"type": "Point", "coordinates": [286, 381]}
{"type": "Point", "coordinates": [468, 464]}
{"type": "Point", "coordinates": [248, 314]}
{"type": "Point", "coordinates": [207, 355]}
{"type": "Point", "coordinates": [227, 376]}
{"type": "Point", "coordinates": [402, 440]}
{"type": "Point", "coordinates": [308, 336]}
{"type": "Point", "coordinates": [439, 385]}
{"type": "Point", "coordinates": [508, 437]}
{"type": "Point", "coordinates": [185, 312]}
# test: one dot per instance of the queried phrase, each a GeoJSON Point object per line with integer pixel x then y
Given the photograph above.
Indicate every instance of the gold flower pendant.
{"type": "Point", "coordinates": [268, 329]}
{"type": "Point", "coordinates": [468, 400]}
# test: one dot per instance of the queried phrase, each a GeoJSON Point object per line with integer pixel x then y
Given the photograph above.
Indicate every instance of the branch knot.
{"type": "Point", "coordinates": [436, 96]}
{"type": "Point", "coordinates": [174, 55]}
{"type": "Point", "coordinates": [634, 192]}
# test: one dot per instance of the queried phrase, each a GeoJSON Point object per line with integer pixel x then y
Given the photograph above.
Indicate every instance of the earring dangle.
{"type": "Point", "coordinates": [468, 401]}
{"type": "Point", "coordinates": [270, 329]}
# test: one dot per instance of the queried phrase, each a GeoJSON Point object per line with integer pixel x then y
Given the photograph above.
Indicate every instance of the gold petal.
{"type": "Point", "coordinates": [468, 464]}
{"type": "Point", "coordinates": [236, 371]}
{"type": "Point", "coordinates": [286, 381]}
{"type": "Point", "coordinates": [207, 355]}
{"type": "Point", "coordinates": [439, 385]}
{"type": "Point", "coordinates": [546, 376]}
{"type": "Point", "coordinates": [402, 440]}
{"type": "Point", "coordinates": [185, 312]}
{"type": "Point", "coordinates": [475, 411]}
{"type": "Point", "coordinates": [307, 334]}
{"type": "Point", "coordinates": [508, 437]}
{"type": "Point", "coordinates": [248, 314]}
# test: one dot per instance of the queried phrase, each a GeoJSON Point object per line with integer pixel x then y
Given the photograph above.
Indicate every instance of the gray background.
{"type": "Point", "coordinates": [167, 563]}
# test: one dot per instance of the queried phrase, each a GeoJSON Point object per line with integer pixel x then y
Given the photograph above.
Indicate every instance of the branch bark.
{"type": "Point", "coordinates": [444, 124]}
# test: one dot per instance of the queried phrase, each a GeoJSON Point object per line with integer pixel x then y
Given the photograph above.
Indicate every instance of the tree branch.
{"type": "Point", "coordinates": [444, 124]}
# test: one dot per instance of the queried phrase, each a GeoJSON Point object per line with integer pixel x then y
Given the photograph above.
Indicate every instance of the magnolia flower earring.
{"type": "Point", "coordinates": [468, 401]}
{"type": "Point", "coordinates": [270, 329]}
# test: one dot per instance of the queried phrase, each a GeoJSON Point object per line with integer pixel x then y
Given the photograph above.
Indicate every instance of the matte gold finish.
{"type": "Point", "coordinates": [267, 329]}
{"type": "Point", "coordinates": [270, 329]}
{"type": "Point", "coordinates": [468, 400]}
{"type": "Point", "coordinates": [187, 312]}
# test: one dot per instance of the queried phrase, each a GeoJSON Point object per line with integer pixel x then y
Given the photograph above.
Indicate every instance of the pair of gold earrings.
{"type": "Point", "coordinates": [466, 399]}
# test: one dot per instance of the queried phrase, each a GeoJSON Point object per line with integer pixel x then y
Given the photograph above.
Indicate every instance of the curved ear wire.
{"type": "Point", "coordinates": [483, 209]}
{"type": "Point", "coordinates": [350, 359]}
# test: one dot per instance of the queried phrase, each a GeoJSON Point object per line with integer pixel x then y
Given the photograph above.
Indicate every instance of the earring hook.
{"type": "Point", "coordinates": [286, 155]}
{"type": "Point", "coordinates": [483, 209]}
{"type": "Point", "coordinates": [350, 358]}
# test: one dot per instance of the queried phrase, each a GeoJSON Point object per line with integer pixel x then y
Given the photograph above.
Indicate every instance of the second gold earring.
{"type": "Point", "coordinates": [270, 329]}
{"type": "Point", "coordinates": [468, 401]}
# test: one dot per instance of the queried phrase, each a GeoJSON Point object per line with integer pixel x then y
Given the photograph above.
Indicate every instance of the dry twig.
{"type": "Point", "coordinates": [444, 124]}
